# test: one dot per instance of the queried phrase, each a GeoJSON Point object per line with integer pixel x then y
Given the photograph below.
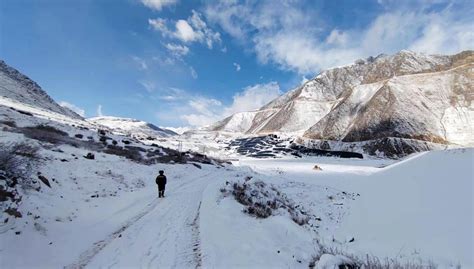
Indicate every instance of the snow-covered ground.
{"type": "Point", "coordinates": [419, 208]}
{"type": "Point", "coordinates": [104, 213]}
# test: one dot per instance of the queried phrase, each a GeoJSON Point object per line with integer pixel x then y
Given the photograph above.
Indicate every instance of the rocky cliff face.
{"type": "Point", "coordinates": [18, 87]}
{"type": "Point", "coordinates": [409, 96]}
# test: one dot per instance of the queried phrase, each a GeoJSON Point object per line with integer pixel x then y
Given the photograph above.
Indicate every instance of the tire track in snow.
{"type": "Point", "coordinates": [86, 256]}
{"type": "Point", "coordinates": [197, 239]}
{"type": "Point", "coordinates": [191, 253]}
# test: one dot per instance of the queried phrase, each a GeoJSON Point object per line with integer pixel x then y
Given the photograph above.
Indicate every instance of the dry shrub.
{"type": "Point", "coordinates": [17, 161]}
{"type": "Point", "coordinates": [263, 200]}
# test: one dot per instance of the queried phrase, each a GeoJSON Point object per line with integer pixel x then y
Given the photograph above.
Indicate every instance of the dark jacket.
{"type": "Point", "coordinates": [161, 180]}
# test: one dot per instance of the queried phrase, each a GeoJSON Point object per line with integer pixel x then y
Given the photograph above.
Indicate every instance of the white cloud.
{"type": "Point", "coordinates": [142, 65]}
{"type": "Point", "coordinates": [193, 29]}
{"type": "Point", "coordinates": [289, 34]}
{"type": "Point", "coordinates": [177, 50]}
{"type": "Point", "coordinates": [99, 111]}
{"type": "Point", "coordinates": [194, 74]}
{"type": "Point", "coordinates": [237, 67]}
{"type": "Point", "coordinates": [184, 31]}
{"type": "Point", "coordinates": [157, 4]}
{"type": "Point", "coordinates": [337, 37]}
{"type": "Point", "coordinates": [149, 86]}
{"type": "Point", "coordinates": [79, 111]}
{"type": "Point", "coordinates": [253, 97]}
{"type": "Point", "coordinates": [202, 111]}
{"type": "Point", "coordinates": [159, 25]}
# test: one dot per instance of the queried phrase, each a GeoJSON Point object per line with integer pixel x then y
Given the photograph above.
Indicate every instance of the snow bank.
{"type": "Point", "coordinates": [423, 206]}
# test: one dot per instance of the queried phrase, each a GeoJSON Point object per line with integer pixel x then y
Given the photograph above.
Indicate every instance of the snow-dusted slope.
{"type": "Point", "coordinates": [418, 208]}
{"type": "Point", "coordinates": [136, 128]}
{"type": "Point", "coordinates": [423, 204]}
{"type": "Point", "coordinates": [431, 106]}
{"type": "Point", "coordinates": [18, 87]}
{"type": "Point", "coordinates": [427, 98]}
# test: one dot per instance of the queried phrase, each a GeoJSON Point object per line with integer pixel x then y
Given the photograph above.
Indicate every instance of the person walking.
{"type": "Point", "coordinates": [161, 182]}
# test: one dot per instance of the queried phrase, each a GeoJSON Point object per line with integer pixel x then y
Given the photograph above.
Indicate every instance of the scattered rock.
{"type": "Point", "coordinates": [18, 232]}
{"type": "Point", "coordinates": [90, 156]}
{"type": "Point", "coordinates": [44, 180]}
{"type": "Point", "coordinates": [317, 167]}
{"type": "Point", "coordinates": [197, 165]}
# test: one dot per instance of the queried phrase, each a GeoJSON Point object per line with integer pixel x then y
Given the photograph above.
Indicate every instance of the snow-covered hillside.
{"type": "Point", "coordinates": [132, 127]}
{"type": "Point", "coordinates": [18, 87]}
{"type": "Point", "coordinates": [419, 208]}
{"type": "Point", "coordinates": [414, 97]}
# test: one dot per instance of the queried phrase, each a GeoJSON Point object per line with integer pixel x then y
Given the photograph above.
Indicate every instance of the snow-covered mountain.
{"type": "Point", "coordinates": [408, 96]}
{"type": "Point", "coordinates": [20, 88]}
{"type": "Point", "coordinates": [132, 127]}
{"type": "Point", "coordinates": [26, 96]}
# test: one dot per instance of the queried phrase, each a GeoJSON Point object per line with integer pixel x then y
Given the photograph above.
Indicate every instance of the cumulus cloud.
{"type": "Point", "coordinates": [79, 111]}
{"type": "Point", "coordinates": [193, 29]}
{"type": "Point", "coordinates": [237, 67]}
{"type": "Point", "coordinates": [253, 97]}
{"type": "Point", "coordinates": [202, 111]}
{"type": "Point", "coordinates": [157, 4]}
{"type": "Point", "coordinates": [289, 35]}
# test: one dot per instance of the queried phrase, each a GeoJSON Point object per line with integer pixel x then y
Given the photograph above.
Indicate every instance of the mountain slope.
{"type": "Point", "coordinates": [133, 127]}
{"type": "Point", "coordinates": [423, 98]}
{"type": "Point", "coordinates": [18, 87]}
{"type": "Point", "coordinates": [435, 107]}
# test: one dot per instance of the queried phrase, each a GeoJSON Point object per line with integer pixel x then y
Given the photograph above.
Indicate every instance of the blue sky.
{"type": "Point", "coordinates": [189, 63]}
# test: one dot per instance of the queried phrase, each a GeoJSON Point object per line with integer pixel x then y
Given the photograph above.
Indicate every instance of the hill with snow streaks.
{"type": "Point", "coordinates": [19, 88]}
{"type": "Point", "coordinates": [389, 105]}
{"type": "Point", "coordinates": [132, 127]}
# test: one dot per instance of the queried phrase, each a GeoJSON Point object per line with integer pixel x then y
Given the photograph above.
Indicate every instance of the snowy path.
{"type": "Point", "coordinates": [165, 234]}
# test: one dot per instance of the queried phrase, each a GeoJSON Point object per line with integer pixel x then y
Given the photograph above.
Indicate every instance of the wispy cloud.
{"type": "Point", "coordinates": [80, 111]}
{"type": "Point", "coordinates": [194, 74]}
{"type": "Point", "coordinates": [198, 110]}
{"type": "Point", "coordinates": [158, 4]}
{"type": "Point", "coordinates": [149, 86]}
{"type": "Point", "coordinates": [177, 50]}
{"type": "Point", "coordinates": [141, 63]}
{"type": "Point", "coordinates": [237, 67]}
{"type": "Point", "coordinates": [99, 111]}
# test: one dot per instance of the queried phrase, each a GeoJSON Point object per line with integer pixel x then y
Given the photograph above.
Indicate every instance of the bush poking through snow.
{"type": "Point", "coordinates": [262, 201]}
{"type": "Point", "coordinates": [17, 161]}
{"type": "Point", "coordinates": [336, 258]}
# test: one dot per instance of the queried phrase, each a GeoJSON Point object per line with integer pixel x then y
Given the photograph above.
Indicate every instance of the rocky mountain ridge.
{"type": "Point", "coordinates": [412, 96]}
{"type": "Point", "coordinates": [16, 86]}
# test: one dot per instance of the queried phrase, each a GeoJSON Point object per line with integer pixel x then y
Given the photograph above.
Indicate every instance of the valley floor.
{"type": "Point", "coordinates": [420, 208]}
